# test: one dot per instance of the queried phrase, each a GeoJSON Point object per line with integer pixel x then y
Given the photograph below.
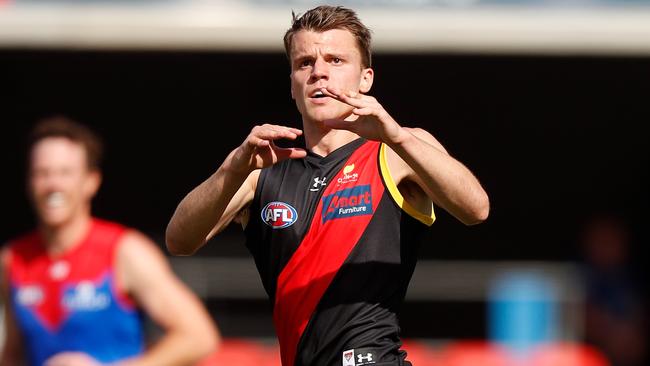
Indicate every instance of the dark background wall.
{"type": "Point", "coordinates": [553, 139]}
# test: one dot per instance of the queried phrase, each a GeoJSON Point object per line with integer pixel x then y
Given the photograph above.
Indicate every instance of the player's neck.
{"type": "Point", "coordinates": [65, 237]}
{"type": "Point", "coordinates": [323, 141]}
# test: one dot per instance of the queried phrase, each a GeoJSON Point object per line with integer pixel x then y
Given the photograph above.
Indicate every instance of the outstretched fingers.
{"type": "Point", "coordinates": [262, 136]}
{"type": "Point", "coordinates": [353, 99]}
{"type": "Point", "coordinates": [262, 139]}
{"type": "Point", "coordinates": [275, 132]}
{"type": "Point", "coordinates": [366, 111]}
{"type": "Point", "coordinates": [254, 141]}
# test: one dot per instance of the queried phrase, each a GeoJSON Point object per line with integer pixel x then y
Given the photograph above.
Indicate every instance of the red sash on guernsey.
{"type": "Point", "coordinates": [335, 230]}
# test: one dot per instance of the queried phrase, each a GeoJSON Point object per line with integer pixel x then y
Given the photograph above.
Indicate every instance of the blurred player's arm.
{"type": "Point", "coordinates": [212, 205]}
{"type": "Point", "coordinates": [12, 350]}
{"type": "Point", "coordinates": [189, 331]}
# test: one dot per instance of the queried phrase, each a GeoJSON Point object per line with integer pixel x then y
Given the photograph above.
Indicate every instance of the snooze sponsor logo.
{"type": "Point", "coordinates": [279, 215]}
{"type": "Point", "coordinates": [348, 202]}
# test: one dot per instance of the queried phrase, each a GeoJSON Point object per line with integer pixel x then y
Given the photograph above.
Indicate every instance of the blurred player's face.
{"type": "Point", "coordinates": [326, 59]}
{"type": "Point", "coordinates": [60, 184]}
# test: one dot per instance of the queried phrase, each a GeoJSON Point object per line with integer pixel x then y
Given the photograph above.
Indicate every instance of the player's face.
{"type": "Point", "coordinates": [326, 59]}
{"type": "Point", "coordinates": [60, 184]}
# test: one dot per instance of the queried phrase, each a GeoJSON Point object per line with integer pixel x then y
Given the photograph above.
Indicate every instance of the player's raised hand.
{"type": "Point", "coordinates": [372, 122]}
{"type": "Point", "coordinates": [259, 149]}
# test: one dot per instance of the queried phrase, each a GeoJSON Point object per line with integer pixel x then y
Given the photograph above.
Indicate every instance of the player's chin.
{"type": "Point", "coordinates": [53, 217]}
{"type": "Point", "coordinates": [319, 116]}
{"type": "Point", "coordinates": [333, 114]}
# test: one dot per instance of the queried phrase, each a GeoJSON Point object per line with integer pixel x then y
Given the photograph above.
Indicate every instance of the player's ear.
{"type": "Point", "coordinates": [93, 181]}
{"type": "Point", "coordinates": [367, 77]}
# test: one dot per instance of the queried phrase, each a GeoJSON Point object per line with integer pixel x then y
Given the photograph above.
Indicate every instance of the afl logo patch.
{"type": "Point", "coordinates": [279, 215]}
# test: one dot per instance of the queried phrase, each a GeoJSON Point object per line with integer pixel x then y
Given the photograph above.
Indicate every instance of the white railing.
{"type": "Point", "coordinates": [247, 26]}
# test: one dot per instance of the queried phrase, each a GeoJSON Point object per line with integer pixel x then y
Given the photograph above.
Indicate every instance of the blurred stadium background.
{"type": "Point", "coordinates": [545, 100]}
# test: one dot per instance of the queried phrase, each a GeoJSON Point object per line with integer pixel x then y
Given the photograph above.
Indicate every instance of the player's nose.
{"type": "Point", "coordinates": [320, 70]}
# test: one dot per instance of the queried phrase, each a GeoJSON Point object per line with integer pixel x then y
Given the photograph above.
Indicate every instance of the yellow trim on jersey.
{"type": "Point", "coordinates": [397, 196]}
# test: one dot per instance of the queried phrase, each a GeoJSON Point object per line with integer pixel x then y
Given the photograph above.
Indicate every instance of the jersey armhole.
{"type": "Point", "coordinates": [122, 295]}
{"type": "Point", "coordinates": [397, 196]}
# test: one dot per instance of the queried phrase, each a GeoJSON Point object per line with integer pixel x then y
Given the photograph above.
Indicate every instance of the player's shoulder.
{"type": "Point", "coordinates": [138, 260]}
{"type": "Point", "coordinates": [136, 238]}
{"type": "Point", "coordinates": [276, 172]}
{"type": "Point", "coordinates": [135, 245]}
{"type": "Point", "coordinates": [28, 243]}
{"type": "Point", "coordinates": [107, 226]}
{"type": "Point", "coordinates": [21, 249]}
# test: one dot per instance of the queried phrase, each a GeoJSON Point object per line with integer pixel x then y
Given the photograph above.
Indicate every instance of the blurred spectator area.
{"type": "Point", "coordinates": [233, 285]}
{"type": "Point", "coordinates": [478, 26]}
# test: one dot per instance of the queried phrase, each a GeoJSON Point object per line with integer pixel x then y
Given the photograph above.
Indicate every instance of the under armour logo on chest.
{"type": "Point", "coordinates": [318, 184]}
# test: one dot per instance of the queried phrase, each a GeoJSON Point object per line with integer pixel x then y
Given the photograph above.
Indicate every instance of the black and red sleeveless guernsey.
{"type": "Point", "coordinates": [334, 243]}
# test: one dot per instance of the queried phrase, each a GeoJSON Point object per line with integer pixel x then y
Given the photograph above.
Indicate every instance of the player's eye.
{"type": "Point", "coordinates": [305, 63]}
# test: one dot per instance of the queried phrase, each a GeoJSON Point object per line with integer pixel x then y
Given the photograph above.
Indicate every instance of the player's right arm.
{"type": "Point", "coordinates": [12, 351]}
{"type": "Point", "coordinates": [212, 205]}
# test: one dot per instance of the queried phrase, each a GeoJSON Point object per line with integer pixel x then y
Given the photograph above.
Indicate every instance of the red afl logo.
{"type": "Point", "coordinates": [279, 215]}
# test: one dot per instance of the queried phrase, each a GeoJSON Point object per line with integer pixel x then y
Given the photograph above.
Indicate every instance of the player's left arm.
{"type": "Point", "coordinates": [189, 332]}
{"type": "Point", "coordinates": [415, 155]}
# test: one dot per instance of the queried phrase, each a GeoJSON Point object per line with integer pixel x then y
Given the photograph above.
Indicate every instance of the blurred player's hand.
{"type": "Point", "coordinates": [71, 359]}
